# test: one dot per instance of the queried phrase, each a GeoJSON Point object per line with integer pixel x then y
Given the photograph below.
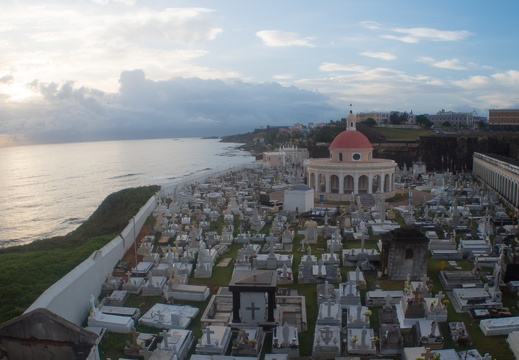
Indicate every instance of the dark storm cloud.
{"type": "Point", "coordinates": [171, 108]}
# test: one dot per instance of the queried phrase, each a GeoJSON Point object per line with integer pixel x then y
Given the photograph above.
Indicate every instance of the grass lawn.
{"type": "Point", "coordinates": [402, 134]}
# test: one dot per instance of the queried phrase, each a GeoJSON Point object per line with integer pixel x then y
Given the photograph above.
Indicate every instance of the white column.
{"type": "Point", "coordinates": [316, 185]}
{"type": "Point", "coordinates": [370, 183]}
{"type": "Point", "coordinates": [356, 182]}
{"type": "Point", "coordinates": [382, 181]}
{"type": "Point", "coordinates": [341, 183]}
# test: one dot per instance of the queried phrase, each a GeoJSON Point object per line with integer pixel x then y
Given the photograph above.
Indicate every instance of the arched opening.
{"type": "Point", "coordinates": [349, 184]}
{"type": "Point", "coordinates": [387, 183]}
{"type": "Point", "coordinates": [321, 183]}
{"type": "Point", "coordinates": [363, 184]}
{"type": "Point", "coordinates": [334, 184]}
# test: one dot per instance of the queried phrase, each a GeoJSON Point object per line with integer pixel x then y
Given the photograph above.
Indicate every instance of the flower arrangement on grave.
{"type": "Point", "coordinates": [410, 300]}
{"type": "Point", "coordinates": [354, 339]}
{"type": "Point", "coordinates": [374, 339]}
{"type": "Point", "coordinates": [367, 312]}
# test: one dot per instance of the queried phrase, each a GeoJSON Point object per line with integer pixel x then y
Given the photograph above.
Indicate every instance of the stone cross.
{"type": "Point", "coordinates": [208, 332]}
{"type": "Point", "coordinates": [252, 309]}
{"type": "Point", "coordinates": [329, 305]}
{"type": "Point", "coordinates": [326, 334]}
{"type": "Point", "coordinates": [425, 279]}
{"type": "Point", "coordinates": [165, 335]}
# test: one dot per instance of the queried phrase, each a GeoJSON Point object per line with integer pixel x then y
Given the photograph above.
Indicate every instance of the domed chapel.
{"type": "Point", "coordinates": [351, 169]}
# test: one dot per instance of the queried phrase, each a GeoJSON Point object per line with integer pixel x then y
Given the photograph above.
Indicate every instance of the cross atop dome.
{"type": "Point", "coordinates": [351, 120]}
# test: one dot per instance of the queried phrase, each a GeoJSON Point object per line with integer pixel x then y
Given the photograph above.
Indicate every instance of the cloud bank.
{"type": "Point", "coordinates": [144, 108]}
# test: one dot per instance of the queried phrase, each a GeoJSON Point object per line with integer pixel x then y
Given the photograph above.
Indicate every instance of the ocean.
{"type": "Point", "coordinates": [49, 190]}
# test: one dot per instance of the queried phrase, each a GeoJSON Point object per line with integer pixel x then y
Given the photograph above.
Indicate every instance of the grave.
{"type": "Point", "coordinates": [357, 277]}
{"type": "Point", "coordinates": [164, 316]}
{"type": "Point", "coordinates": [142, 269]}
{"type": "Point", "coordinates": [153, 285]}
{"type": "Point", "coordinates": [391, 339]}
{"type": "Point", "coordinates": [436, 308]}
{"type": "Point", "coordinates": [458, 279]}
{"type": "Point", "coordinates": [120, 311]}
{"type": "Point", "coordinates": [175, 343]}
{"type": "Point", "coordinates": [499, 326]}
{"type": "Point", "coordinates": [111, 283]}
{"type": "Point", "coordinates": [347, 294]}
{"type": "Point", "coordinates": [404, 252]}
{"type": "Point", "coordinates": [361, 341]}
{"type": "Point", "coordinates": [117, 298]}
{"type": "Point", "coordinates": [358, 316]}
{"type": "Point", "coordinates": [140, 342]}
{"type": "Point", "coordinates": [378, 297]}
{"type": "Point", "coordinates": [327, 342]}
{"type": "Point", "coordinates": [325, 292]}
{"type": "Point", "coordinates": [219, 309]}
{"type": "Point", "coordinates": [254, 297]}
{"type": "Point", "coordinates": [428, 334]}
{"type": "Point", "coordinates": [214, 341]}
{"type": "Point", "coordinates": [249, 342]}
{"type": "Point", "coordinates": [330, 313]}
{"type": "Point", "coordinates": [413, 306]}
{"type": "Point", "coordinates": [187, 292]}
{"type": "Point", "coordinates": [311, 232]}
{"type": "Point", "coordinates": [513, 343]}
{"type": "Point", "coordinates": [330, 259]}
{"type": "Point", "coordinates": [286, 341]}
{"type": "Point", "coordinates": [133, 284]}
{"type": "Point", "coordinates": [388, 314]}
{"type": "Point", "coordinates": [464, 299]}
{"type": "Point", "coordinates": [114, 323]}
{"type": "Point", "coordinates": [285, 275]}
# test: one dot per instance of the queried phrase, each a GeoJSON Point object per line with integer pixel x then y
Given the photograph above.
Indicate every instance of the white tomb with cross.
{"type": "Point", "coordinates": [330, 313]}
{"type": "Point", "coordinates": [214, 341]}
{"type": "Point", "coordinates": [347, 294]}
{"type": "Point", "coordinates": [361, 341]}
{"type": "Point", "coordinates": [435, 309]}
{"type": "Point", "coordinates": [358, 316]}
{"type": "Point", "coordinates": [175, 342]}
{"type": "Point", "coordinates": [164, 316]}
{"type": "Point", "coordinates": [285, 340]}
{"type": "Point", "coordinates": [327, 342]}
{"type": "Point", "coordinates": [253, 307]}
{"type": "Point", "coordinates": [357, 276]}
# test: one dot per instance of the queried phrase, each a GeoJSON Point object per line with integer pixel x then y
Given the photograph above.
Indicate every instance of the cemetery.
{"type": "Point", "coordinates": [258, 281]}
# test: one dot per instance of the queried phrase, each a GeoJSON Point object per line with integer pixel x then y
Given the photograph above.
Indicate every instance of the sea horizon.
{"type": "Point", "coordinates": [50, 189]}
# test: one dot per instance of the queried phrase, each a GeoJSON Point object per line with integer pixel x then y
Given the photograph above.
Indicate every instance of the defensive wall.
{"type": "Point", "coordinates": [69, 297]}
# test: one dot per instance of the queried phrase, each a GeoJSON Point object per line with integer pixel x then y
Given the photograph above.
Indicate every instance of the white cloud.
{"type": "Point", "coordinates": [328, 67]}
{"type": "Point", "coordinates": [276, 38]}
{"type": "Point", "coordinates": [368, 24]}
{"type": "Point", "coordinates": [283, 76]}
{"type": "Point", "coordinates": [453, 64]}
{"type": "Point", "coordinates": [414, 35]}
{"type": "Point", "coordinates": [379, 55]}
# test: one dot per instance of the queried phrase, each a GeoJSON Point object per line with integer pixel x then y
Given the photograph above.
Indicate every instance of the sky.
{"type": "Point", "coordinates": [86, 70]}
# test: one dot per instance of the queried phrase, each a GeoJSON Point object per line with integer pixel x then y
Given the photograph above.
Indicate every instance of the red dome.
{"type": "Point", "coordinates": [351, 139]}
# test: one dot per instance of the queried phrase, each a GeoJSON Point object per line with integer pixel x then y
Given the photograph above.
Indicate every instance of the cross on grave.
{"type": "Point", "coordinates": [208, 333]}
{"type": "Point", "coordinates": [252, 309]}
{"type": "Point", "coordinates": [425, 279]}
{"type": "Point", "coordinates": [427, 354]}
{"type": "Point", "coordinates": [165, 336]}
{"type": "Point", "coordinates": [327, 332]}
{"type": "Point", "coordinates": [329, 305]}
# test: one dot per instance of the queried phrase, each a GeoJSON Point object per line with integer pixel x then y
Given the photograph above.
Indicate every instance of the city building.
{"type": "Point", "coordinates": [351, 169]}
{"type": "Point", "coordinates": [456, 118]}
{"type": "Point", "coordinates": [383, 118]}
{"type": "Point", "coordinates": [500, 173]}
{"type": "Point", "coordinates": [503, 116]}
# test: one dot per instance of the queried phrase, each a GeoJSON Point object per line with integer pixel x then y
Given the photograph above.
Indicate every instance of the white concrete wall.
{"type": "Point", "coordinates": [69, 296]}
{"type": "Point", "coordinates": [303, 201]}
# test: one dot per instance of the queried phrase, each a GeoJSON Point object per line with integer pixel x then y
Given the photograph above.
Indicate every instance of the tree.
{"type": "Point", "coordinates": [403, 117]}
{"type": "Point", "coordinates": [446, 124]}
{"type": "Point", "coordinates": [422, 120]}
{"type": "Point", "coordinates": [370, 122]}
{"type": "Point", "coordinates": [394, 118]}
